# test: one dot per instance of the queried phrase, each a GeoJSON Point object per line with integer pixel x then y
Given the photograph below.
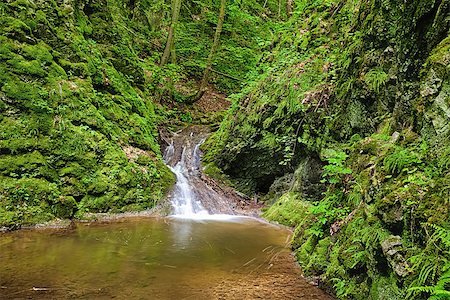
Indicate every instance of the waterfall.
{"type": "Point", "coordinates": [184, 200]}
{"type": "Point", "coordinates": [192, 196]}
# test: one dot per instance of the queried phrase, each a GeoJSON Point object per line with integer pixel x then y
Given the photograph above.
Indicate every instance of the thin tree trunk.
{"type": "Point", "coordinates": [170, 45]}
{"type": "Point", "coordinates": [212, 53]}
{"type": "Point", "coordinates": [279, 9]}
{"type": "Point", "coordinates": [173, 55]}
{"type": "Point", "coordinates": [289, 5]}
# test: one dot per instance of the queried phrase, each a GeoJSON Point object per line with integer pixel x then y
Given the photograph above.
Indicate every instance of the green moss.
{"type": "Point", "coordinates": [384, 288]}
{"type": "Point", "coordinates": [39, 52]}
{"type": "Point", "coordinates": [440, 55]}
{"type": "Point", "coordinates": [73, 168]}
{"type": "Point", "coordinates": [103, 203]}
{"type": "Point", "coordinates": [64, 207]}
{"type": "Point", "coordinates": [13, 25]}
{"type": "Point", "coordinates": [27, 95]}
{"type": "Point", "coordinates": [7, 48]}
{"type": "Point", "coordinates": [55, 71]}
{"type": "Point", "coordinates": [27, 200]}
{"type": "Point", "coordinates": [288, 210]}
{"type": "Point", "coordinates": [143, 160]}
{"type": "Point", "coordinates": [75, 68]}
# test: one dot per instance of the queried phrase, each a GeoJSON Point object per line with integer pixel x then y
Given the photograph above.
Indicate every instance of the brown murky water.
{"type": "Point", "coordinates": [149, 258]}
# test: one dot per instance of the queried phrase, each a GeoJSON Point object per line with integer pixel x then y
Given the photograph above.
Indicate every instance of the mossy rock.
{"type": "Point", "coordinates": [385, 288]}
{"type": "Point", "coordinates": [64, 207]}
{"type": "Point", "coordinates": [144, 160]}
{"type": "Point", "coordinates": [289, 210]}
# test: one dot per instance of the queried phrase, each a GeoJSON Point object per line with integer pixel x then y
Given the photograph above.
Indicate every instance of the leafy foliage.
{"type": "Point", "coordinates": [335, 170]}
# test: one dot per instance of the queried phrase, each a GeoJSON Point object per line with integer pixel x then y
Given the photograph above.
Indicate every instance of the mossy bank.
{"type": "Point", "coordinates": [346, 132]}
{"type": "Point", "coordinates": [78, 124]}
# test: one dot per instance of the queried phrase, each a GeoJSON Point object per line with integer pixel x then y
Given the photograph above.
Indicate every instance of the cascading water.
{"type": "Point", "coordinates": [184, 200]}
{"type": "Point", "coordinates": [192, 197]}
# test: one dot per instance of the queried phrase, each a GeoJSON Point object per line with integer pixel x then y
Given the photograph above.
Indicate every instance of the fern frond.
{"type": "Point", "coordinates": [441, 234]}
{"type": "Point", "coordinates": [440, 295]}
{"type": "Point", "coordinates": [432, 268]}
{"type": "Point", "coordinates": [425, 273]}
{"type": "Point", "coordinates": [400, 159]}
{"type": "Point", "coordinates": [375, 79]}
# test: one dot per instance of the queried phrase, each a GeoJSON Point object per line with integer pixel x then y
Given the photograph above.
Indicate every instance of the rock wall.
{"type": "Point", "coordinates": [360, 91]}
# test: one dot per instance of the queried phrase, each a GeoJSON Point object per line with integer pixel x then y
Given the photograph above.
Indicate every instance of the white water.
{"type": "Point", "coordinates": [184, 200]}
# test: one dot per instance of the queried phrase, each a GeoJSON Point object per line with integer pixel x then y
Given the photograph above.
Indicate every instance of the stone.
{"type": "Point", "coordinates": [439, 112]}
{"type": "Point", "coordinates": [431, 85]}
{"type": "Point", "coordinates": [393, 251]}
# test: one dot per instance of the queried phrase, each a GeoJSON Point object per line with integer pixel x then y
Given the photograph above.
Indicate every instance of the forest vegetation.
{"type": "Point", "coordinates": [339, 121]}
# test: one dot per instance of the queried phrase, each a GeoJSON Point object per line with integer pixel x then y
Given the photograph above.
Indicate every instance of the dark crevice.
{"type": "Point", "coordinates": [263, 184]}
{"type": "Point", "coordinates": [427, 39]}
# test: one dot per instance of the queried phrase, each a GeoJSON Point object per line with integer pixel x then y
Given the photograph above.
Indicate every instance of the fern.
{"type": "Point", "coordinates": [375, 79]}
{"type": "Point", "coordinates": [396, 162]}
{"type": "Point", "coordinates": [439, 291]}
{"type": "Point", "coordinates": [431, 266]}
{"type": "Point", "coordinates": [372, 235]}
{"type": "Point", "coordinates": [267, 122]}
{"type": "Point", "coordinates": [444, 160]}
{"type": "Point", "coordinates": [279, 112]}
{"type": "Point", "coordinates": [441, 234]}
{"type": "Point", "coordinates": [293, 105]}
{"type": "Point", "coordinates": [355, 197]}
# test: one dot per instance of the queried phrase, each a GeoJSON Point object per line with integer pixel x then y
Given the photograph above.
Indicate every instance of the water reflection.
{"type": "Point", "coordinates": [182, 233]}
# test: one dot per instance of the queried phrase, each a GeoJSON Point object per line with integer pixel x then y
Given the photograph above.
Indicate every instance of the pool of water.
{"type": "Point", "coordinates": [146, 258]}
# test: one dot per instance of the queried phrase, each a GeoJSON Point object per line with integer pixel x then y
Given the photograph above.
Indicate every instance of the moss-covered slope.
{"type": "Point", "coordinates": [349, 122]}
{"type": "Point", "coordinates": [77, 124]}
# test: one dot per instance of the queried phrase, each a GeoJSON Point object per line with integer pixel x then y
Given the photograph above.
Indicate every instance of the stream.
{"type": "Point", "coordinates": [204, 250]}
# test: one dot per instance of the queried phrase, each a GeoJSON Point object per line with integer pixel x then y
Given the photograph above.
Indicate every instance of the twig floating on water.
{"type": "Point", "coordinates": [38, 289]}
{"type": "Point", "coordinates": [249, 262]}
{"type": "Point", "coordinates": [230, 250]}
{"type": "Point", "coordinates": [169, 266]}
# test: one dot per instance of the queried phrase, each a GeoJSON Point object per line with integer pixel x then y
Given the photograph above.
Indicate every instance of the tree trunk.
{"type": "Point", "coordinates": [289, 5]}
{"type": "Point", "coordinates": [211, 55]}
{"type": "Point", "coordinates": [169, 50]}
{"type": "Point", "coordinates": [279, 9]}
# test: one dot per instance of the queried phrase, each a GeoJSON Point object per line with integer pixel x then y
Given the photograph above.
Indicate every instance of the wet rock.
{"type": "Point", "coordinates": [394, 251]}
{"type": "Point", "coordinates": [4, 229]}
{"type": "Point", "coordinates": [394, 138]}
{"type": "Point", "coordinates": [432, 85]}
{"type": "Point", "coordinates": [439, 113]}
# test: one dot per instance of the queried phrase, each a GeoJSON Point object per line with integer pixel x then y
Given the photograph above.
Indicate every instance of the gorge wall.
{"type": "Point", "coordinates": [346, 132]}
